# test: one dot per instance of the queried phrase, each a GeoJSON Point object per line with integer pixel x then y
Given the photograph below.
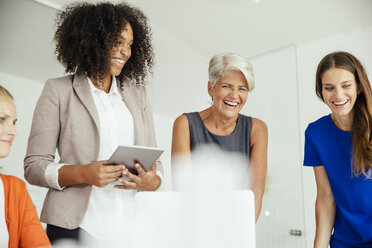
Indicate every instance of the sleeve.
{"type": "Point", "coordinates": [51, 175]}
{"type": "Point", "coordinates": [311, 155]}
{"type": "Point", "coordinates": [32, 233]}
{"type": "Point", "coordinates": [43, 139]}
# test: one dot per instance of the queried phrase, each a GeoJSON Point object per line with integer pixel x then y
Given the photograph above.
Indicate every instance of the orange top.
{"type": "Point", "coordinates": [25, 230]}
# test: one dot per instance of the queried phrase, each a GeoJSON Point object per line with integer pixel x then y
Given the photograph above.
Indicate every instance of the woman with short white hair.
{"type": "Point", "coordinates": [231, 77]}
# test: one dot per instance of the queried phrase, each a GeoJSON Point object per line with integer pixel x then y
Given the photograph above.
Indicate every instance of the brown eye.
{"type": "Point", "coordinates": [328, 88]}
{"type": "Point", "coordinates": [117, 44]}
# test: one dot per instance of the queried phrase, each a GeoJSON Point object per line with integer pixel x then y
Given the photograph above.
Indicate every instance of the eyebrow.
{"type": "Point", "coordinates": [122, 37]}
{"type": "Point", "coordinates": [347, 81]}
{"type": "Point", "coordinates": [8, 116]}
{"type": "Point", "coordinates": [231, 84]}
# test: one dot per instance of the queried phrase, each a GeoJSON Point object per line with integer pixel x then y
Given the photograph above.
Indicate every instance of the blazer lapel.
{"type": "Point", "coordinates": [82, 89]}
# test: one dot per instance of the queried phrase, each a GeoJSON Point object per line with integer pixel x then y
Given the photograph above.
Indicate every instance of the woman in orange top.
{"type": "Point", "coordinates": [19, 224]}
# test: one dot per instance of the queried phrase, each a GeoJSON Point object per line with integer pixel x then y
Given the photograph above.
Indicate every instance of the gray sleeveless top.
{"type": "Point", "coordinates": [238, 141]}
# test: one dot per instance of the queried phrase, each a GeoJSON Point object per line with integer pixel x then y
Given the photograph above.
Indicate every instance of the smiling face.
{"type": "Point", "coordinates": [339, 90]}
{"type": "Point", "coordinates": [8, 118]}
{"type": "Point", "coordinates": [122, 50]}
{"type": "Point", "coordinates": [229, 94]}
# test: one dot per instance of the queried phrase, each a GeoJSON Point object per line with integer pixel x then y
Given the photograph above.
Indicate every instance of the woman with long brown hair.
{"type": "Point", "coordinates": [339, 147]}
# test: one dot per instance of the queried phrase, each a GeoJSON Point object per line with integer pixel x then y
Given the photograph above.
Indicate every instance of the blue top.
{"type": "Point", "coordinates": [238, 141]}
{"type": "Point", "coordinates": [327, 145]}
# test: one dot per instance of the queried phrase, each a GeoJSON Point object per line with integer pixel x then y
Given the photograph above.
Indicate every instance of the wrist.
{"type": "Point", "coordinates": [82, 174]}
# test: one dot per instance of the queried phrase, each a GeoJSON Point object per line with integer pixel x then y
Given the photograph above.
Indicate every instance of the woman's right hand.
{"type": "Point", "coordinates": [100, 173]}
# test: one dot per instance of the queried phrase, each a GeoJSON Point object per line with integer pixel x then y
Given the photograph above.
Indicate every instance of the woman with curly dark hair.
{"type": "Point", "coordinates": [86, 115]}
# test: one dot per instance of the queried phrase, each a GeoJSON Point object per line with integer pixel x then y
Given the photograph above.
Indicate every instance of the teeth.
{"type": "Point", "coordinates": [232, 104]}
{"type": "Point", "coordinates": [340, 103]}
{"type": "Point", "coordinates": [120, 61]}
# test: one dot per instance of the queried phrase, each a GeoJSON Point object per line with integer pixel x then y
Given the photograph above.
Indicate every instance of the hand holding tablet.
{"type": "Point", "coordinates": [146, 157]}
{"type": "Point", "coordinates": [129, 155]}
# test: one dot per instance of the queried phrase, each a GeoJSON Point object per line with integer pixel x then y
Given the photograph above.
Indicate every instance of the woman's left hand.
{"type": "Point", "coordinates": [145, 180]}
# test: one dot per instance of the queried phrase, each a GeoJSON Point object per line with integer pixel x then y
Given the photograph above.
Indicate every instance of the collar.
{"type": "Point", "coordinates": [113, 89]}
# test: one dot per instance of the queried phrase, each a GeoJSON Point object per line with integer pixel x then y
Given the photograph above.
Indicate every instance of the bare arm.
{"type": "Point", "coordinates": [180, 137]}
{"type": "Point", "coordinates": [325, 209]}
{"type": "Point", "coordinates": [258, 161]}
{"type": "Point", "coordinates": [180, 150]}
{"type": "Point", "coordinates": [95, 173]}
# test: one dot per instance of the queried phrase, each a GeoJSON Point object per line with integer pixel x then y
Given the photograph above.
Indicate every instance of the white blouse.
{"type": "Point", "coordinates": [110, 210]}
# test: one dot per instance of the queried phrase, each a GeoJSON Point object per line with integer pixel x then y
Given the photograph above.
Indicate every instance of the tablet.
{"type": "Point", "coordinates": [129, 155]}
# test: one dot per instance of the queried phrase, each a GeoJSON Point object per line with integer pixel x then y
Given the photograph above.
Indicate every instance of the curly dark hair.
{"type": "Point", "coordinates": [87, 32]}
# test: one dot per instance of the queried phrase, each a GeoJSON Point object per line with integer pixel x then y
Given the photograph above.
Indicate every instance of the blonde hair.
{"type": "Point", "coordinates": [5, 92]}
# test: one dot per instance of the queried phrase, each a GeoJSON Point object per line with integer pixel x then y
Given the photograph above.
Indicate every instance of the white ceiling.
{"type": "Point", "coordinates": [249, 27]}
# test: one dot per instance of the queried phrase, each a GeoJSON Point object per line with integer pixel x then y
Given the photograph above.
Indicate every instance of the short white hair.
{"type": "Point", "coordinates": [227, 61]}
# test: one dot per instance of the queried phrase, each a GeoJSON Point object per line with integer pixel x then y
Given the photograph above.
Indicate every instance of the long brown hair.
{"type": "Point", "coordinates": [361, 129]}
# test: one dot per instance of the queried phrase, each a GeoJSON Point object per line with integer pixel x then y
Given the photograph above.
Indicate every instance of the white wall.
{"type": "Point", "coordinates": [275, 101]}
{"type": "Point", "coordinates": [357, 42]}
{"type": "Point", "coordinates": [163, 129]}
{"type": "Point", "coordinates": [27, 48]}
{"type": "Point", "coordinates": [181, 76]}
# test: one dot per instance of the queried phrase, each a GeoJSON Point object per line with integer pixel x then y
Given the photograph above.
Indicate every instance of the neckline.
{"type": "Point", "coordinates": [236, 127]}
{"type": "Point", "coordinates": [335, 126]}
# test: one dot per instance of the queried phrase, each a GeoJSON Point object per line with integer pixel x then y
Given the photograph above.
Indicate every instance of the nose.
{"type": "Point", "coordinates": [12, 131]}
{"type": "Point", "coordinates": [234, 94]}
{"type": "Point", "coordinates": [339, 92]}
{"type": "Point", "coordinates": [125, 51]}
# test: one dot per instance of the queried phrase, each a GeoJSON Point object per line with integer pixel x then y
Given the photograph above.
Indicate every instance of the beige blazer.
{"type": "Point", "coordinates": [66, 119]}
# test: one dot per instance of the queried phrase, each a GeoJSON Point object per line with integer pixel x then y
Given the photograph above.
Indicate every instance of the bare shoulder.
{"type": "Point", "coordinates": [259, 133]}
{"type": "Point", "coordinates": [181, 122]}
{"type": "Point", "coordinates": [258, 126]}
{"type": "Point", "coordinates": [181, 136]}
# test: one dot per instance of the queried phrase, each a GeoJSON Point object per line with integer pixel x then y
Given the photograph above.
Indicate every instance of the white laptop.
{"type": "Point", "coordinates": [195, 220]}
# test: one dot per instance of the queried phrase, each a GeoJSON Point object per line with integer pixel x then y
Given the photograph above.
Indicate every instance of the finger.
{"type": "Point", "coordinates": [127, 184]}
{"type": "Point", "coordinates": [153, 167]}
{"type": "Point", "coordinates": [131, 177]}
{"type": "Point", "coordinates": [113, 168]}
{"type": "Point", "coordinates": [140, 170]}
{"type": "Point", "coordinates": [114, 175]}
{"type": "Point", "coordinates": [104, 182]}
{"type": "Point", "coordinates": [122, 187]}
